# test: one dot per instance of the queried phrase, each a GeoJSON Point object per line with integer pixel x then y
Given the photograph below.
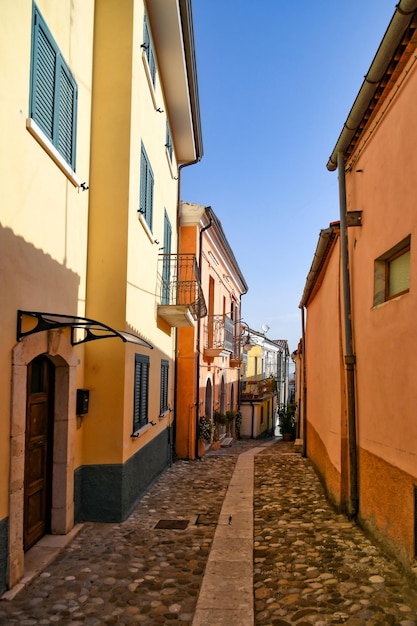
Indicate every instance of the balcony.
{"type": "Point", "coordinates": [179, 288]}
{"type": "Point", "coordinates": [258, 389]}
{"type": "Point", "coordinates": [219, 338]}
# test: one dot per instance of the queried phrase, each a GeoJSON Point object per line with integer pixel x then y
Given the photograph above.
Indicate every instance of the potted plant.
{"type": "Point", "coordinates": [230, 417]}
{"type": "Point", "coordinates": [238, 423]}
{"type": "Point", "coordinates": [220, 418]}
{"type": "Point", "coordinates": [205, 430]}
{"type": "Point", "coordinates": [286, 421]}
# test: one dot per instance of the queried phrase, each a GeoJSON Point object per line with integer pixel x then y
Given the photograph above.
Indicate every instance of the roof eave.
{"type": "Point", "coordinates": [171, 25]}
{"type": "Point", "coordinates": [401, 20]}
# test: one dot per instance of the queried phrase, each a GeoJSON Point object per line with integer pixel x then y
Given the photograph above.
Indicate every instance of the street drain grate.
{"type": "Point", "coordinates": [172, 524]}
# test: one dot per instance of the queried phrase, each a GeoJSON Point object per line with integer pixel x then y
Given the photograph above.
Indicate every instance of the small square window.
{"type": "Point", "coordinates": [392, 272]}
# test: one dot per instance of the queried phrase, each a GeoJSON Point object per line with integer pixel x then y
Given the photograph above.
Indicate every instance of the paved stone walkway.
{"type": "Point", "coordinates": [311, 567]}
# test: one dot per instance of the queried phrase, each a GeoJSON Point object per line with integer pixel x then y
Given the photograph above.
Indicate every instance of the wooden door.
{"type": "Point", "coordinates": [38, 456]}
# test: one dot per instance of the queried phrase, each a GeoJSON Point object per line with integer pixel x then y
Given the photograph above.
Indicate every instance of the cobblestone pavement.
{"type": "Point", "coordinates": [312, 567]}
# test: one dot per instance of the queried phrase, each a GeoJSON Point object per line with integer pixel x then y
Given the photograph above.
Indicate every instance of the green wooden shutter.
{"type": "Point", "coordinates": [43, 78]}
{"type": "Point", "coordinates": [146, 188]}
{"type": "Point", "coordinates": [53, 91]}
{"type": "Point", "coordinates": [149, 196]}
{"type": "Point", "coordinates": [166, 264]}
{"type": "Point", "coordinates": [143, 168]}
{"type": "Point", "coordinates": [164, 386]}
{"type": "Point", "coordinates": [67, 107]}
{"type": "Point", "coordinates": [149, 51]}
{"type": "Point", "coordinates": [140, 412]}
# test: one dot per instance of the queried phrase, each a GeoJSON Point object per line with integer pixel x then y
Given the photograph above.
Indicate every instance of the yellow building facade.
{"type": "Point", "coordinates": [91, 175]}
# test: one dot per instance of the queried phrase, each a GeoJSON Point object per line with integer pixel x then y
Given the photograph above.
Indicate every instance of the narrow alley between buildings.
{"type": "Point", "coordinates": [204, 529]}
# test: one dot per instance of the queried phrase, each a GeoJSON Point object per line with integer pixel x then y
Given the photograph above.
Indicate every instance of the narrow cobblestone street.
{"type": "Point", "coordinates": [311, 567]}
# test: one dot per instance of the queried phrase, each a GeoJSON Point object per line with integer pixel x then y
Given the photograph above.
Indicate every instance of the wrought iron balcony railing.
{"type": "Point", "coordinates": [220, 338]}
{"type": "Point", "coordinates": [255, 389]}
{"type": "Point", "coordinates": [181, 297]}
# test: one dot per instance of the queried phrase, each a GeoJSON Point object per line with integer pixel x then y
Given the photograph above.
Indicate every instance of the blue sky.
{"type": "Point", "coordinates": [277, 79]}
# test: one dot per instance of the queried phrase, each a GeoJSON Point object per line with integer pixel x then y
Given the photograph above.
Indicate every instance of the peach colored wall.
{"type": "Point", "coordinates": [331, 477]}
{"type": "Point", "coordinates": [215, 264]}
{"type": "Point", "coordinates": [386, 335]}
{"type": "Point", "coordinates": [387, 504]}
{"type": "Point", "coordinates": [186, 393]}
{"type": "Point", "coordinates": [325, 410]}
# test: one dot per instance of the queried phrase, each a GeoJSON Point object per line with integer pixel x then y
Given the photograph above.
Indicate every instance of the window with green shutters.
{"type": "Point", "coordinates": [53, 91]}
{"type": "Point", "coordinates": [141, 393]}
{"type": "Point", "coordinates": [149, 51]}
{"type": "Point", "coordinates": [164, 387]}
{"type": "Point", "coordinates": [146, 188]}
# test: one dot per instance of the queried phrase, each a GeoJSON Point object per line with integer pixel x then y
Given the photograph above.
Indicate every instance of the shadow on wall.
{"type": "Point", "coordinates": [30, 279]}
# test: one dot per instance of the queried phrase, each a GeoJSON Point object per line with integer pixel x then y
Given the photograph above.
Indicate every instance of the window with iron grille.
{"type": "Point", "coordinates": [146, 188]}
{"type": "Point", "coordinates": [53, 91]}
{"type": "Point", "coordinates": [149, 51]}
{"type": "Point", "coordinates": [164, 387]}
{"type": "Point", "coordinates": [141, 392]}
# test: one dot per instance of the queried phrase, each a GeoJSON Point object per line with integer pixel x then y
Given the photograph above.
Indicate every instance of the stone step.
{"type": "Point", "coordinates": [227, 442]}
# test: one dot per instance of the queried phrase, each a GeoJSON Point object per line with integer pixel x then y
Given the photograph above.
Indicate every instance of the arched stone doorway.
{"type": "Point", "coordinates": [54, 347]}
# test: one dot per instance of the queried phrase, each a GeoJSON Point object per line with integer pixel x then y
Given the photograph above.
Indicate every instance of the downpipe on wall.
{"type": "Point", "coordinates": [349, 358]}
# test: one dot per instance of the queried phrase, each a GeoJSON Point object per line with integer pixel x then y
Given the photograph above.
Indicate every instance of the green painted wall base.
{"type": "Point", "coordinates": [4, 540]}
{"type": "Point", "coordinates": [109, 493]}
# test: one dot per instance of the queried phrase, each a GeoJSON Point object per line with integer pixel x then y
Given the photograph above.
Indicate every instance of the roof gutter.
{"type": "Point", "coordinates": [400, 21]}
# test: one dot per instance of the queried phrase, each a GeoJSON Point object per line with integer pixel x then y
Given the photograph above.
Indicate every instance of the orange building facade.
{"type": "Point", "coordinates": [359, 301]}
{"type": "Point", "coordinates": [209, 350]}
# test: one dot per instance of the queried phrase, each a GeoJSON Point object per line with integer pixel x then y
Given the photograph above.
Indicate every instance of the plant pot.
{"type": "Point", "coordinates": [287, 437]}
{"type": "Point", "coordinates": [201, 447]}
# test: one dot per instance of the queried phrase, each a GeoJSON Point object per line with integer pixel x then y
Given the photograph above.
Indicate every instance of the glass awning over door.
{"type": "Point", "coordinates": [83, 329]}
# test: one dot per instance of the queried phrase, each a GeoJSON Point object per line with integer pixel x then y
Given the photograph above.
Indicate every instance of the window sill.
{"type": "Point", "coordinates": [146, 227]}
{"type": "Point", "coordinates": [378, 305]}
{"type": "Point", "coordinates": [50, 149]}
{"type": "Point", "coordinates": [170, 164]}
{"type": "Point", "coordinates": [149, 78]}
{"type": "Point", "coordinates": [141, 431]}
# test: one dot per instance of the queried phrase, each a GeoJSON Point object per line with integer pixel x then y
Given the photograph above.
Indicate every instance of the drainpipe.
{"type": "Point", "coordinates": [304, 383]}
{"type": "Point", "coordinates": [174, 422]}
{"type": "Point", "coordinates": [197, 398]}
{"type": "Point", "coordinates": [349, 354]}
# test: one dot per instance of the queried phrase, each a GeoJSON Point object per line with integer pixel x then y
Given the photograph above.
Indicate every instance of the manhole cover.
{"type": "Point", "coordinates": [172, 524]}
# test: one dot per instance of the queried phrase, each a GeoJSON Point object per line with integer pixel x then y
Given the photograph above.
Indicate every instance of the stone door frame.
{"type": "Point", "coordinates": [55, 345]}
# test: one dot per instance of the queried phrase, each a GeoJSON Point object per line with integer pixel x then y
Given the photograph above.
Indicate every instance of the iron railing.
{"type": "Point", "coordinates": [180, 283]}
{"type": "Point", "coordinates": [219, 333]}
{"type": "Point", "coordinates": [253, 389]}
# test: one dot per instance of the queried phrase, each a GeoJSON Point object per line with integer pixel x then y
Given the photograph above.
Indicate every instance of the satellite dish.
{"type": "Point", "coordinates": [265, 328]}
